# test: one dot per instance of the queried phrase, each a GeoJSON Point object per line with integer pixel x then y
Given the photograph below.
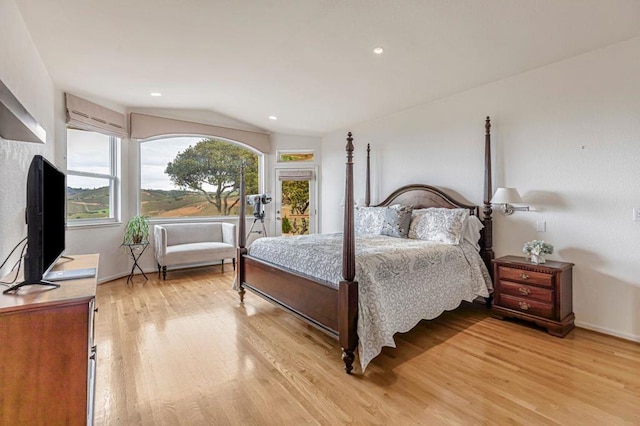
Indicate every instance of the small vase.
{"type": "Point", "coordinates": [536, 259]}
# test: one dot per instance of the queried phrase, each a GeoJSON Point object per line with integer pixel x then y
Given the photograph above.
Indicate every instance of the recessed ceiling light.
{"type": "Point", "coordinates": [273, 117]}
{"type": "Point", "coordinates": [378, 50]}
{"type": "Point", "coordinates": [156, 94]}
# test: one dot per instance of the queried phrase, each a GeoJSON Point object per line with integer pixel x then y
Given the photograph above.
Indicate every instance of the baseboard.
{"type": "Point", "coordinates": [154, 270]}
{"type": "Point", "coordinates": [111, 278]}
{"type": "Point", "coordinates": [604, 330]}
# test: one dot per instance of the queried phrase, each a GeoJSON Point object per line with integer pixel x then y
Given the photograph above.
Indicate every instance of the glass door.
{"type": "Point", "coordinates": [295, 202]}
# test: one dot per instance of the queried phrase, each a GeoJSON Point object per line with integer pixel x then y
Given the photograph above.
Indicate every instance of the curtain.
{"type": "Point", "coordinates": [147, 126]}
{"type": "Point", "coordinates": [86, 115]}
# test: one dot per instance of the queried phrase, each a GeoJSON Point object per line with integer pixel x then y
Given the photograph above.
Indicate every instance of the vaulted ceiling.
{"type": "Point", "coordinates": [309, 62]}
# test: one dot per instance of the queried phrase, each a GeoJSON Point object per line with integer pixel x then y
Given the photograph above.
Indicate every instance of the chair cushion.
{"type": "Point", "coordinates": [184, 233]}
{"type": "Point", "coordinates": [198, 252]}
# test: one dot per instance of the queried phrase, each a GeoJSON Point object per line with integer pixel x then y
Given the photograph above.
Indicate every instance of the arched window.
{"type": "Point", "coordinates": [194, 176]}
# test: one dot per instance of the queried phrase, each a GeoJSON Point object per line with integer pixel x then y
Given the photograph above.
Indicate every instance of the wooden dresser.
{"type": "Point", "coordinates": [538, 293]}
{"type": "Point", "coordinates": [47, 351]}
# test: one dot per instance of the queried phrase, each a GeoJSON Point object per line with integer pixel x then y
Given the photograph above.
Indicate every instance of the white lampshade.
{"type": "Point", "coordinates": [506, 196]}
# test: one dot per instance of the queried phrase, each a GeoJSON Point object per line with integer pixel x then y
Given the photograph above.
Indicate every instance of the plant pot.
{"type": "Point", "coordinates": [137, 239]}
{"type": "Point", "coordinates": [536, 259]}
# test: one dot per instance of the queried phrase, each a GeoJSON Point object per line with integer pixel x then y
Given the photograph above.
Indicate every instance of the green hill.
{"type": "Point", "coordinates": [87, 203]}
{"type": "Point", "coordinates": [158, 203]}
{"type": "Point", "coordinates": [94, 203]}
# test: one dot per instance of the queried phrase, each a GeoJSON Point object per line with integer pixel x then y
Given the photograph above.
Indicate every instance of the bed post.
{"type": "Point", "coordinates": [348, 290]}
{"type": "Point", "coordinates": [242, 236]}
{"type": "Point", "coordinates": [486, 251]}
{"type": "Point", "coordinates": [367, 191]}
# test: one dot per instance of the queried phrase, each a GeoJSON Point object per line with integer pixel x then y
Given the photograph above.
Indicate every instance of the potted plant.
{"type": "Point", "coordinates": [137, 230]}
{"type": "Point", "coordinates": [537, 250]}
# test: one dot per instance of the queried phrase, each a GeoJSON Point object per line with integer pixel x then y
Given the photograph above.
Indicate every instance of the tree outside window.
{"type": "Point", "coordinates": [194, 177]}
{"type": "Point", "coordinates": [295, 206]}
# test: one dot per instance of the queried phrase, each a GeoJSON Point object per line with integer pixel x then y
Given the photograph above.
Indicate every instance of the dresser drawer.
{"type": "Point", "coordinates": [528, 306]}
{"type": "Point", "coordinates": [523, 276]}
{"type": "Point", "coordinates": [526, 291]}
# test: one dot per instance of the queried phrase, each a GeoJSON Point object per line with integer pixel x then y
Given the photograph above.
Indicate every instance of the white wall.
{"type": "Point", "coordinates": [566, 135]}
{"type": "Point", "coordinates": [24, 73]}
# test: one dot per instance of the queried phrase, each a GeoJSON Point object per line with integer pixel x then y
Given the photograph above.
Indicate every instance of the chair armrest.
{"type": "Point", "coordinates": [229, 233]}
{"type": "Point", "coordinates": [160, 243]}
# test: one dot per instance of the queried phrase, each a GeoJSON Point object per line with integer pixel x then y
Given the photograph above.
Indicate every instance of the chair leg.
{"type": "Point", "coordinates": [234, 263]}
{"type": "Point", "coordinates": [164, 273]}
{"type": "Point", "coordinates": [159, 270]}
{"type": "Point", "coordinates": [222, 265]}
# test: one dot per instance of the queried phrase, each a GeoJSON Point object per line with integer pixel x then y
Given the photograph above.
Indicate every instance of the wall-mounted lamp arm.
{"type": "Point", "coordinates": [504, 197]}
{"type": "Point", "coordinates": [507, 209]}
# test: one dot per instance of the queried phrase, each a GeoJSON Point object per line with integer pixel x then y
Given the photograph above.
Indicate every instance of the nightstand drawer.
{"type": "Point", "coordinates": [528, 306]}
{"type": "Point", "coordinates": [523, 276]}
{"type": "Point", "coordinates": [526, 291]}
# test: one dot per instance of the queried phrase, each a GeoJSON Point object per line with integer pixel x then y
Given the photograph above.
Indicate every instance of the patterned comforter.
{"type": "Point", "coordinates": [400, 281]}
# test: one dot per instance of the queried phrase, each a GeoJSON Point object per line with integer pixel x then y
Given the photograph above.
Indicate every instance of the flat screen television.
{"type": "Point", "coordinates": [45, 216]}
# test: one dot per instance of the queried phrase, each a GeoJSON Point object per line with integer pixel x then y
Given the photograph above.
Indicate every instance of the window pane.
{"type": "Point", "coordinates": [295, 207]}
{"type": "Point", "coordinates": [193, 177]}
{"type": "Point", "coordinates": [291, 156]}
{"type": "Point", "coordinates": [88, 152]}
{"type": "Point", "coordinates": [87, 198]}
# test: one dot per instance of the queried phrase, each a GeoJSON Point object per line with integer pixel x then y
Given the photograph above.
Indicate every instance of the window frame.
{"type": "Point", "coordinates": [281, 153]}
{"type": "Point", "coordinates": [113, 178]}
{"type": "Point", "coordinates": [152, 220]}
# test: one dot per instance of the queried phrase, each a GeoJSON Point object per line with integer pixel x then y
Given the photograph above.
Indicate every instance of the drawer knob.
{"type": "Point", "coordinates": [524, 276]}
{"type": "Point", "coordinates": [524, 306]}
{"type": "Point", "coordinates": [524, 291]}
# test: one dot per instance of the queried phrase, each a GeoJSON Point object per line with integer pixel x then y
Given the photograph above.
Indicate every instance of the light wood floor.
{"type": "Point", "coordinates": [185, 351]}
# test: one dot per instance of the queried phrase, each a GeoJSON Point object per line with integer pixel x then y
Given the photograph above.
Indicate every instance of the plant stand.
{"type": "Point", "coordinates": [135, 252]}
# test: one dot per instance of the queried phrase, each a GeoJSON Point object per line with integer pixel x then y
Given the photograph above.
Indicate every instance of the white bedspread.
{"type": "Point", "coordinates": [400, 281]}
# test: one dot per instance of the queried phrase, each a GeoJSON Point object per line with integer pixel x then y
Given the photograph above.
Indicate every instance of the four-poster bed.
{"type": "Point", "coordinates": [332, 304]}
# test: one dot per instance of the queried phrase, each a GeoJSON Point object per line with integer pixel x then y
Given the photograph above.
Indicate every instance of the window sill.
{"type": "Point", "coordinates": [209, 219]}
{"type": "Point", "coordinates": [88, 225]}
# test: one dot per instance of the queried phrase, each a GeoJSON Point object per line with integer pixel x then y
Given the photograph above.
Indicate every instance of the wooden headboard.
{"type": "Point", "coordinates": [425, 196]}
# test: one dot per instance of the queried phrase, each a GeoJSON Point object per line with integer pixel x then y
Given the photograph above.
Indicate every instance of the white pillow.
{"type": "Point", "coordinates": [471, 232]}
{"type": "Point", "coordinates": [369, 220]}
{"type": "Point", "coordinates": [416, 216]}
{"type": "Point", "coordinates": [439, 224]}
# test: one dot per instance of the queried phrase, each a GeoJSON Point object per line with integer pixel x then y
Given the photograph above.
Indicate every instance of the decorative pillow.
{"type": "Point", "coordinates": [368, 220]}
{"type": "Point", "coordinates": [396, 221]}
{"type": "Point", "coordinates": [415, 222]}
{"type": "Point", "coordinates": [440, 225]}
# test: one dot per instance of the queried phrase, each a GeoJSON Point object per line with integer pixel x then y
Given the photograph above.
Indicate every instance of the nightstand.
{"type": "Point", "coordinates": [538, 293]}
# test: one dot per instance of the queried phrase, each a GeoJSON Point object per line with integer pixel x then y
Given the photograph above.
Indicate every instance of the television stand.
{"type": "Point", "coordinates": [14, 288]}
{"type": "Point", "coordinates": [47, 343]}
